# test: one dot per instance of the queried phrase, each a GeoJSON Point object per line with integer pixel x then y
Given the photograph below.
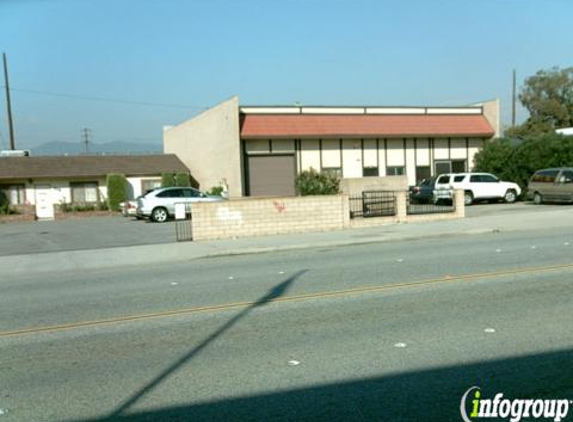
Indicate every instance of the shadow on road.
{"type": "Point", "coordinates": [427, 395]}
{"type": "Point", "coordinates": [273, 294]}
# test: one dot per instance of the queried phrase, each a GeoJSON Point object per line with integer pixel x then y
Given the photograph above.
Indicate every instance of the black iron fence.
{"type": "Point", "coordinates": [373, 204]}
{"type": "Point", "coordinates": [443, 204]}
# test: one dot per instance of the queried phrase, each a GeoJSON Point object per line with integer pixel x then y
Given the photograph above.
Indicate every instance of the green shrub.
{"type": "Point", "coordinates": [116, 190]}
{"type": "Point", "coordinates": [167, 180]}
{"type": "Point", "coordinates": [311, 182]}
{"type": "Point", "coordinates": [182, 179]}
{"type": "Point", "coordinates": [4, 204]}
{"type": "Point", "coordinates": [215, 191]}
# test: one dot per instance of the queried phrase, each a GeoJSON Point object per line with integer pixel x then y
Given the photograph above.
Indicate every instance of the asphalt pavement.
{"type": "Point", "coordinates": [381, 331]}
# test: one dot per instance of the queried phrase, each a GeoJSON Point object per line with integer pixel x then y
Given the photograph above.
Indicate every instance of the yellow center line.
{"type": "Point", "coordinates": [294, 298]}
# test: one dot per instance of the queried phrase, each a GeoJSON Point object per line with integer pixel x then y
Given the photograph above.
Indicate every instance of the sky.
{"type": "Point", "coordinates": [127, 68]}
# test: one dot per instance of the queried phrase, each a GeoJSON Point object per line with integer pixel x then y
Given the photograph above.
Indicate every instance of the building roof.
{"type": "Point", "coordinates": [89, 166]}
{"type": "Point", "coordinates": [357, 126]}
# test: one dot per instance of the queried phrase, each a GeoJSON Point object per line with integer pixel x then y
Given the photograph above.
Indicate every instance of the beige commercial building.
{"type": "Point", "coordinates": [258, 151]}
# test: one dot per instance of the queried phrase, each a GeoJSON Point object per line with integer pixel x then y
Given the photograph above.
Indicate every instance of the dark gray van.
{"type": "Point", "coordinates": [551, 185]}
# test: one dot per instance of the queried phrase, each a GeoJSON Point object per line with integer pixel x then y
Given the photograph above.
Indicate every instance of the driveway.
{"type": "Point", "coordinates": [81, 233]}
{"type": "Point", "coordinates": [484, 209]}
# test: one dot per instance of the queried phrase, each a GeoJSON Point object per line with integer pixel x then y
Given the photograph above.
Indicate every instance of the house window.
{"type": "Point", "coordinates": [370, 172]}
{"type": "Point", "coordinates": [150, 184]}
{"type": "Point", "coordinates": [16, 194]}
{"type": "Point", "coordinates": [395, 171]}
{"type": "Point", "coordinates": [422, 173]}
{"type": "Point", "coordinates": [84, 192]}
{"type": "Point", "coordinates": [443, 167]}
{"type": "Point", "coordinates": [337, 171]}
{"type": "Point", "coordinates": [458, 166]}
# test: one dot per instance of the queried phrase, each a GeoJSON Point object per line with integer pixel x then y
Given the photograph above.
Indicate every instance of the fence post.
{"type": "Point", "coordinates": [460, 206]}
{"type": "Point", "coordinates": [345, 198]}
{"type": "Point", "coordinates": [401, 205]}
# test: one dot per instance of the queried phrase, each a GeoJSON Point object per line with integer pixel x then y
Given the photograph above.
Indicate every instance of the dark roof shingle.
{"type": "Point", "coordinates": [89, 166]}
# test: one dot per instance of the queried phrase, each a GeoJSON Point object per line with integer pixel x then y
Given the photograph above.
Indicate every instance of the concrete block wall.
{"type": "Point", "coordinates": [355, 186]}
{"type": "Point", "coordinates": [267, 216]}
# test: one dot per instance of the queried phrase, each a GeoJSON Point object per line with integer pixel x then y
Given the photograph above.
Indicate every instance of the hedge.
{"type": "Point", "coordinates": [116, 190]}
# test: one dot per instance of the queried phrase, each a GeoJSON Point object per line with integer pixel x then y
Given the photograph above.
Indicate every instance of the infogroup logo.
{"type": "Point", "coordinates": [514, 409]}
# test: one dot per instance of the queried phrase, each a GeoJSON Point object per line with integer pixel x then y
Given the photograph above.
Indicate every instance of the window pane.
{"type": "Point", "coordinates": [458, 166]}
{"type": "Point", "coordinates": [422, 173]}
{"type": "Point", "coordinates": [370, 171]}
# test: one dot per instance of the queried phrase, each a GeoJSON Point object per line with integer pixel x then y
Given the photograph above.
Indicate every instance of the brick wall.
{"type": "Point", "coordinates": [255, 217]}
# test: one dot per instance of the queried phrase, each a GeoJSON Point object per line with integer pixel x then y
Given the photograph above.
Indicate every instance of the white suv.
{"type": "Point", "coordinates": [476, 186]}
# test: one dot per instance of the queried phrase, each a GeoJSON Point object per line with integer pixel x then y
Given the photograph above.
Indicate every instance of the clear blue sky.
{"type": "Point", "coordinates": [316, 52]}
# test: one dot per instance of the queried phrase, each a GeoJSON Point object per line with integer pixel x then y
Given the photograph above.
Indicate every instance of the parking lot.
{"type": "Point", "coordinates": [82, 233]}
{"type": "Point", "coordinates": [116, 231]}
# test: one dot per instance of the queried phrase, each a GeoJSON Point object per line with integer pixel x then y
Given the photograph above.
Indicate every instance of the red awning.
{"type": "Point", "coordinates": [359, 126]}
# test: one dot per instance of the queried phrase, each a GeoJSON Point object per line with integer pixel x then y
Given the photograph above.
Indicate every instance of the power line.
{"type": "Point", "coordinates": [106, 100]}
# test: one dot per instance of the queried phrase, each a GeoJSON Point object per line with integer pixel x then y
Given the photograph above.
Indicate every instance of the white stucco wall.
{"type": "Point", "coordinates": [209, 145]}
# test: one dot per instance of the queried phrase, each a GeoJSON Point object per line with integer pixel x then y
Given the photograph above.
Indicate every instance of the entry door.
{"type": "Point", "coordinates": [352, 158]}
{"type": "Point", "coordinates": [44, 202]}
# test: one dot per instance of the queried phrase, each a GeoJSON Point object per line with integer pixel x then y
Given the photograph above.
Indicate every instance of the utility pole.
{"type": "Point", "coordinates": [86, 138]}
{"type": "Point", "coordinates": [8, 104]}
{"type": "Point", "coordinates": [513, 102]}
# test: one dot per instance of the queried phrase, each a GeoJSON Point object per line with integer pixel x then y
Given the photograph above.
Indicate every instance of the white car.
{"type": "Point", "coordinates": [159, 204]}
{"type": "Point", "coordinates": [476, 186]}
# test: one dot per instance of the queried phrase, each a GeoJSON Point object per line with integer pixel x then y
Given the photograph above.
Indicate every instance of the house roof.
{"type": "Point", "coordinates": [89, 166]}
{"type": "Point", "coordinates": [358, 126]}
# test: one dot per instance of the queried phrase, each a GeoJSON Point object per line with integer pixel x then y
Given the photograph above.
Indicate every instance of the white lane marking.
{"type": "Point", "coordinates": [498, 250]}
{"type": "Point", "coordinates": [281, 272]}
{"type": "Point", "coordinates": [400, 259]}
{"type": "Point", "coordinates": [293, 362]}
{"type": "Point", "coordinates": [489, 330]}
{"type": "Point", "coordinates": [231, 277]}
{"type": "Point", "coordinates": [174, 284]}
{"type": "Point", "coordinates": [400, 345]}
{"type": "Point", "coordinates": [566, 243]}
{"type": "Point", "coordinates": [533, 247]}
{"type": "Point", "coordinates": [3, 411]}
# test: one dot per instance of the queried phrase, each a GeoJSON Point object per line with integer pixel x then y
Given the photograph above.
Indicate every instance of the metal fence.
{"type": "Point", "coordinates": [373, 204]}
{"type": "Point", "coordinates": [441, 205]}
{"type": "Point", "coordinates": [183, 227]}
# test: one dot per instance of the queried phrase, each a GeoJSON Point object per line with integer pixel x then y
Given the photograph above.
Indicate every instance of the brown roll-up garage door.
{"type": "Point", "coordinates": [271, 175]}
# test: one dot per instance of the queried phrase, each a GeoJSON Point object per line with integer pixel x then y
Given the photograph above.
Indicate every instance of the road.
{"type": "Point", "coordinates": [389, 331]}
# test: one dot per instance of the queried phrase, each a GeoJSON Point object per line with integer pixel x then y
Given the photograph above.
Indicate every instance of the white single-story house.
{"type": "Point", "coordinates": [81, 179]}
{"type": "Point", "coordinates": [259, 150]}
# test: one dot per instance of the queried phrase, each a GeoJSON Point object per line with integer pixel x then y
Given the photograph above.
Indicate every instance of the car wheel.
{"type": "Point", "coordinates": [510, 196]}
{"type": "Point", "coordinates": [537, 199]}
{"type": "Point", "coordinates": [468, 198]}
{"type": "Point", "coordinates": [159, 215]}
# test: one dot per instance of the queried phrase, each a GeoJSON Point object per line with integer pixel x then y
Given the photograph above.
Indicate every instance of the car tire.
{"type": "Point", "coordinates": [537, 198]}
{"type": "Point", "coordinates": [159, 215]}
{"type": "Point", "coordinates": [468, 198]}
{"type": "Point", "coordinates": [510, 196]}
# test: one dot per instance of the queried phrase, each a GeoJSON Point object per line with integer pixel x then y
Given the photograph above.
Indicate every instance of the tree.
{"type": "Point", "coordinates": [518, 162]}
{"type": "Point", "coordinates": [548, 96]}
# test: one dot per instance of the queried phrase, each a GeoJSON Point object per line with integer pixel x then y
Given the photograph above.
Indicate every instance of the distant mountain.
{"type": "Point", "coordinates": [115, 148]}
